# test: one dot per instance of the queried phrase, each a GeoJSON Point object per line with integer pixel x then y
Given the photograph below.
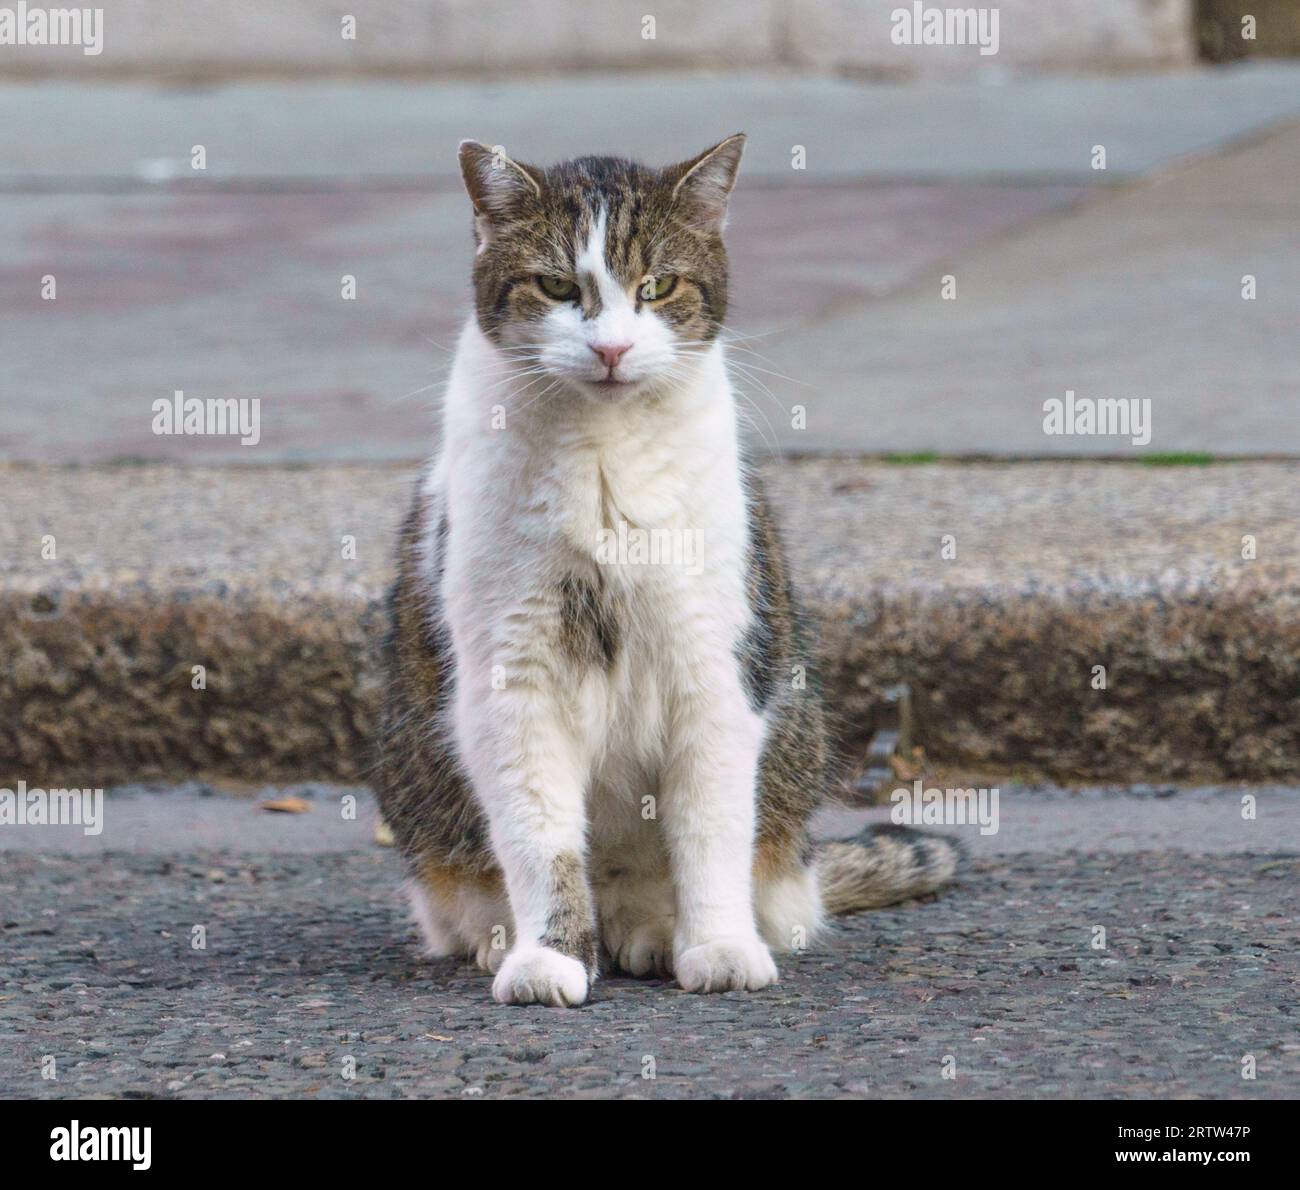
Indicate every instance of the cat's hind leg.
{"type": "Point", "coordinates": [436, 931]}
{"type": "Point", "coordinates": [637, 916]}
{"type": "Point", "coordinates": [787, 896]}
{"type": "Point", "coordinates": [460, 912]}
{"type": "Point", "coordinates": [636, 909]}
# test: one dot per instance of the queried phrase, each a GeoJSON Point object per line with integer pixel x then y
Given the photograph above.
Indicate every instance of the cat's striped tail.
{"type": "Point", "coordinates": [883, 865]}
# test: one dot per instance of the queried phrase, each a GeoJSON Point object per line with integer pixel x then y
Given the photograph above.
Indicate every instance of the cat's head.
{"type": "Point", "coordinates": [603, 273]}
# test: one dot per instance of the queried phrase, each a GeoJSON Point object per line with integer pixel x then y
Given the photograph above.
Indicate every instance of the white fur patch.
{"type": "Point", "coordinates": [593, 271]}
{"type": "Point", "coordinates": [563, 753]}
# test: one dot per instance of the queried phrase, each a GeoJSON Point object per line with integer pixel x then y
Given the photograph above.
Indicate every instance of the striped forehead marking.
{"type": "Point", "coordinates": [593, 267]}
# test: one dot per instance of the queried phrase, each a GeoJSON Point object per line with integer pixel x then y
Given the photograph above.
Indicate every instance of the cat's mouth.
{"type": "Point", "coordinates": [609, 390]}
{"type": "Point", "coordinates": [613, 389]}
{"type": "Point", "coordinates": [610, 386]}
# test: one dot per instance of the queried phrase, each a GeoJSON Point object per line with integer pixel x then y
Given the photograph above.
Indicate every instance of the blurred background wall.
{"type": "Point", "coordinates": [202, 38]}
{"type": "Point", "coordinates": [237, 201]}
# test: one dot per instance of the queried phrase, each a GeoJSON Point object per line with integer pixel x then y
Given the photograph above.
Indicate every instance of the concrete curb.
{"type": "Point", "coordinates": [1059, 567]}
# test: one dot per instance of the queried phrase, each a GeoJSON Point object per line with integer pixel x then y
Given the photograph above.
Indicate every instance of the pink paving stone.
{"type": "Point", "coordinates": [238, 295]}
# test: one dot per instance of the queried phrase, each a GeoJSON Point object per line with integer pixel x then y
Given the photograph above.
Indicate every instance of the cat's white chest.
{"type": "Point", "coordinates": [625, 501]}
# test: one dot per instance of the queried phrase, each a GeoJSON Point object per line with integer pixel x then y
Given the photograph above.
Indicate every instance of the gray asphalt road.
{"type": "Point", "coordinates": [309, 982]}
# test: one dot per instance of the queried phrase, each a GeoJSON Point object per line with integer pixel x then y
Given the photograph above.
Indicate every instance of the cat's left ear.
{"type": "Point", "coordinates": [706, 181]}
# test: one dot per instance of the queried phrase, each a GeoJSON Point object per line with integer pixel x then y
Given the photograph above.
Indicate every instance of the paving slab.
{"type": "Point", "coordinates": [1135, 296]}
{"type": "Point", "coordinates": [331, 134]}
{"type": "Point", "coordinates": [230, 285]}
{"type": "Point", "coordinates": [1058, 569]}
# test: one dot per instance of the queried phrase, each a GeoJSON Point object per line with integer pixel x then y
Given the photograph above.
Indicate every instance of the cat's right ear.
{"type": "Point", "coordinates": [498, 186]}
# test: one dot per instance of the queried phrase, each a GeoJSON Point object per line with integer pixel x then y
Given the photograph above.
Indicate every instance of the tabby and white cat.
{"type": "Point", "coordinates": [593, 753]}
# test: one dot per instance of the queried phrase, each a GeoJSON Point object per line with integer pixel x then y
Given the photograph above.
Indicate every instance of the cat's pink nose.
{"type": "Point", "coordinates": [611, 353]}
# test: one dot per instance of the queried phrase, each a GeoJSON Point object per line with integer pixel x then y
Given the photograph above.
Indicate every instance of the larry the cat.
{"type": "Point", "coordinates": [593, 755]}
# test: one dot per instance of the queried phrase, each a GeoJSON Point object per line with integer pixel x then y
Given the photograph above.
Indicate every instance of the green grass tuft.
{"type": "Point", "coordinates": [1189, 458]}
{"type": "Point", "coordinates": [907, 460]}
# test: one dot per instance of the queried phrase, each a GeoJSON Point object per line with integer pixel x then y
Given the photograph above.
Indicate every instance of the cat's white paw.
{"type": "Point", "coordinates": [726, 965]}
{"type": "Point", "coordinates": [540, 976]}
{"type": "Point", "coordinates": [647, 949]}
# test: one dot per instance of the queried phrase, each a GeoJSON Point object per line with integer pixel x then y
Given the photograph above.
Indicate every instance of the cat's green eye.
{"type": "Point", "coordinates": [559, 288]}
{"type": "Point", "coordinates": [653, 289]}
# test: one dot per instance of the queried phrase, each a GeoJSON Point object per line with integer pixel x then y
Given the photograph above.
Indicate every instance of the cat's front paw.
{"type": "Point", "coordinates": [725, 965]}
{"type": "Point", "coordinates": [539, 975]}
